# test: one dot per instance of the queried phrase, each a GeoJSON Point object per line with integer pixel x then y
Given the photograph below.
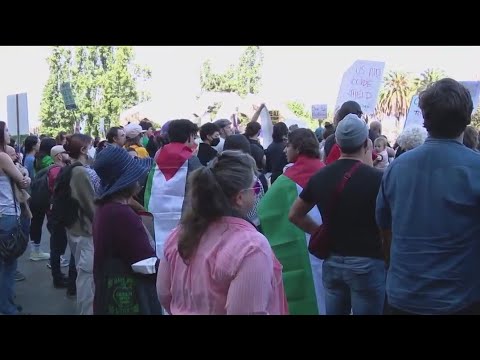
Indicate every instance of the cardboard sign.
{"type": "Point", "coordinates": [319, 111]}
{"type": "Point", "coordinates": [361, 83]}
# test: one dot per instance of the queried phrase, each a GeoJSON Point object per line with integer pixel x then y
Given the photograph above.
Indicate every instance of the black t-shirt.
{"type": "Point", "coordinates": [276, 159]}
{"type": "Point", "coordinates": [206, 153]}
{"type": "Point", "coordinates": [257, 153]}
{"type": "Point", "coordinates": [352, 225]}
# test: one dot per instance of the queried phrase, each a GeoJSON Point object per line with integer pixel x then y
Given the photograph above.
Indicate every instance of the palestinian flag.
{"type": "Point", "coordinates": [166, 188]}
{"type": "Point", "coordinates": [302, 272]}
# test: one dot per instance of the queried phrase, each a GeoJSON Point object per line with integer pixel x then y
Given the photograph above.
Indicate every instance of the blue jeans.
{"type": "Point", "coordinates": [354, 283]}
{"type": "Point", "coordinates": [7, 269]}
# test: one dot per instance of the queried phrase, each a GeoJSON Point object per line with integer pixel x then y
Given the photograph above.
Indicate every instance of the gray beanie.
{"type": "Point", "coordinates": [351, 132]}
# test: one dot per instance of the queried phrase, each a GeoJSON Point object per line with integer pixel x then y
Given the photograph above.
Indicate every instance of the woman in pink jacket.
{"type": "Point", "coordinates": [216, 262]}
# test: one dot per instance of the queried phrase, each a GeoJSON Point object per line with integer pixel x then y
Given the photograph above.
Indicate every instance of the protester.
{"type": "Point", "coordinates": [21, 194]}
{"type": "Point", "coordinates": [128, 244]}
{"type": "Point", "coordinates": [252, 133]}
{"type": "Point", "coordinates": [210, 136]}
{"type": "Point", "coordinates": [470, 138]}
{"type": "Point", "coordinates": [9, 214]}
{"type": "Point", "coordinates": [214, 255]}
{"type": "Point", "coordinates": [354, 272]}
{"type": "Point", "coordinates": [43, 161]}
{"type": "Point", "coordinates": [79, 232]}
{"type": "Point", "coordinates": [332, 152]}
{"type": "Point", "coordinates": [147, 126]}
{"type": "Point", "coordinates": [240, 142]}
{"type": "Point", "coordinates": [226, 130]}
{"type": "Point", "coordinates": [302, 273]}
{"type": "Point", "coordinates": [275, 153]}
{"type": "Point", "coordinates": [116, 136]}
{"type": "Point", "coordinates": [58, 234]}
{"type": "Point", "coordinates": [410, 138]}
{"type": "Point", "coordinates": [329, 130]}
{"type": "Point", "coordinates": [428, 210]}
{"type": "Point", "coordinates": [61, 138]}
{"type": "Point", "coordinates": [167, 180]}
{"type": "Point", "coordinates": [134, 134]}
{"type": "Point", "coordinates": [43, 158]}
{"type": "Point", "coordinates": [375, 130]}
{"type": "Point", "coordinates": [32, 146]}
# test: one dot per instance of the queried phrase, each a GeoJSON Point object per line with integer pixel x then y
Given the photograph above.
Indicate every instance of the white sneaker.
{"type": "Point", "coordinates": [37, 256]}
{"type": "Point", "coordinates": [63, 262]}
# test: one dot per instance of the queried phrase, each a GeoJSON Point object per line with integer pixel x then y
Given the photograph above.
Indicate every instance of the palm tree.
{"type": "Point", "coordinates": [395, 95]}
{"type": "Point", "coordinates": [427, 78]}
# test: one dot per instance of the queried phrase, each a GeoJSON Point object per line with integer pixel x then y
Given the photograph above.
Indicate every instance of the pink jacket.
{"type": "Point", "coordinates": [233, 271]}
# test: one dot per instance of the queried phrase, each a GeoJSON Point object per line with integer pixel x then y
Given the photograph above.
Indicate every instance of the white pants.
{"type": "Point", "coordinates": [82, 249]}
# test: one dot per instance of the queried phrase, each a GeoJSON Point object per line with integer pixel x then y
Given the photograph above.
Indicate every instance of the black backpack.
{"type": "Point", "coordinates": [39, 191]}
{"type": "Point", "coordinates": [64, 207]}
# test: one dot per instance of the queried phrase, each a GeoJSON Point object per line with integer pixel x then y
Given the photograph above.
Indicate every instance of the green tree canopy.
{"type": "Point", "coordinates": [243, 79]}
{"type": "Point", "coordinates": [104, 83]}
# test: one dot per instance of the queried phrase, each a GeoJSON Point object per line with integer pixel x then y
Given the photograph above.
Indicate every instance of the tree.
{"type": "Point", "coordinates": [300, 110]}
{"type": "Point", "coordinates": [243, 79]}
{"type": "Point", "coordinates": [395, 95]}
{"type": "Point", "coordinates": [427, 78]}
{"type": "Point", "coordinates": [104, 83]}
{"type": "Point", "coordinates": [476, 118]}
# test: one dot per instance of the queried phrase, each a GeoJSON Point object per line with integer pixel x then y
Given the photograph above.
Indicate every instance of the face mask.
{"type": "Point", "coordinates": [215, 142]}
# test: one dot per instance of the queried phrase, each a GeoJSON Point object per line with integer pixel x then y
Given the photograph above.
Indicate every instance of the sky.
{"type": "Point", "coordinates": [310, 74]}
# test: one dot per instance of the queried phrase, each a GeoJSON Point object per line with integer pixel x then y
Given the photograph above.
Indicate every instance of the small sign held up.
{"type": "Point", "coordinates": [319, 111]}
{"type": "Point", "coordinates": [67, 95]}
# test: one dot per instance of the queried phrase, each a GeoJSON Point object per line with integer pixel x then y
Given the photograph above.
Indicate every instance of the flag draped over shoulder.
{"type": "Point", "coordinates": [166, 187]}
{"type": "Point", "coordinates": [302, 272]}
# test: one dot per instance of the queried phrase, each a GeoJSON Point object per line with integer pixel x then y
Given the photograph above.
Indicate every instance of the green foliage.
{"type": "Point", "coordinates": [243, 79]}
{"type": "Point", "coordinates": [104, 83]}
{"type": "Point", "coordinates": [476, 118]}
{"type": "Point", "coordinates": [395, 96]}
{"type": "Point", "coordinates": [427, 78]}
{"type": "Point", "coordinates": [304, 113]}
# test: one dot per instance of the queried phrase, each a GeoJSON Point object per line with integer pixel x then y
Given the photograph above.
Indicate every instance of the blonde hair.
{"type": "Point", "coordinates": [381, 141]}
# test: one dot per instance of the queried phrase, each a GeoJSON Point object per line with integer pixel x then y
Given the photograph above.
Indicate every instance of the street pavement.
{"type": "Point", "coordinates": [36, 294]}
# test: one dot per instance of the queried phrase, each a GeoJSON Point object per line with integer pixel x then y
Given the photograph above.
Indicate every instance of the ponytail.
{"type": "Point", "coordinates": [210, 190]}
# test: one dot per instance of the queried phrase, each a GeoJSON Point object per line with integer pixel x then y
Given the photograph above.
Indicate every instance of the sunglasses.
{"type": "Point", "coordinates": [256, 187]}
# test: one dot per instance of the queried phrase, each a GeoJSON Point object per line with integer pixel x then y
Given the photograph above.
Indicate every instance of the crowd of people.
{"type": "Point", "coordinates": [189, 220]}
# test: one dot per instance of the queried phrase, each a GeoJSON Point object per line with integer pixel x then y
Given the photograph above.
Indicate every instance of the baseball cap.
{"type": "Point", "coordinates": [58, 149]}
{"type": "Point", "coordinates": [133, 130]}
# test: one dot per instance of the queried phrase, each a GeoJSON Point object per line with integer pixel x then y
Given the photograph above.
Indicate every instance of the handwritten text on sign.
{"type": "Point", "coordinates": [361, 83]}
{"type": "Point", "coordinates": [319, 111]}
{"type": "Point", "coordinates": [474, 88]}
{"type": "Point", "coordinates": [414, 116]}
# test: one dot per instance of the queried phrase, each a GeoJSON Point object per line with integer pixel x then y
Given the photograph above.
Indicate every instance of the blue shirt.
{"type": "Point", "coordinates": [430, 199]}
{"type": "Point", "coordinates": [29, 163]}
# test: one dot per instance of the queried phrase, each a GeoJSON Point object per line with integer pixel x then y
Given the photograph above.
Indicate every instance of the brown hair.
{"type": "Point", "coordinates": [253, 128]}
{"type": "Point", "coordinates": [60, 137]}
{"type": "Point", "coordinates": [210, 190]}
{"type": "Point", "coordinates": [75, 143]}
{"type": "Point", "coordinates": [446, 108]}
{"type": "Point", "coordinates": [305, 142]}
